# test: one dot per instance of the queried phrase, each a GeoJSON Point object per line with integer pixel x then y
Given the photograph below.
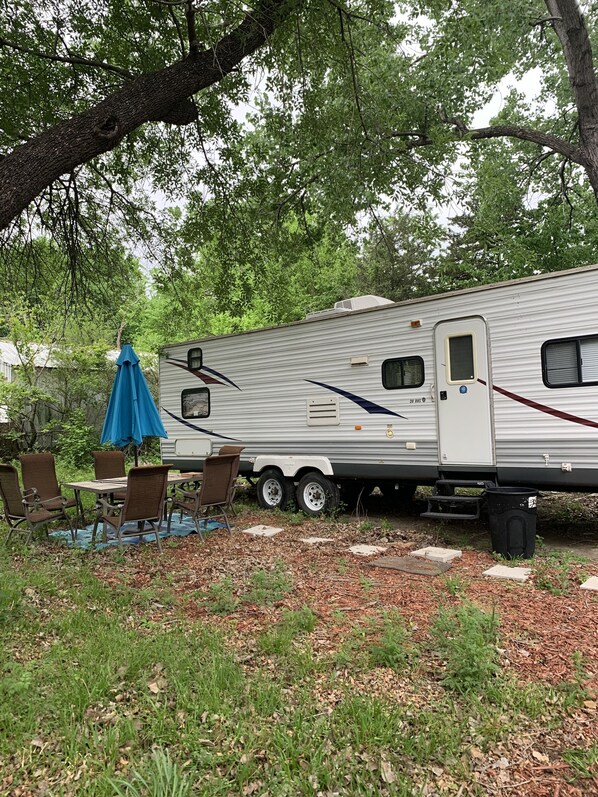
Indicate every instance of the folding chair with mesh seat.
{"type": "Point", "coordinates": [39, 474]}
{"type": "Point", "coordinates": [26, 508]}
{"type": "Point", "coordinates": [233, 487]}
{"type": "Point", "coordinates": [110, 465]}
{"type": "Point", "coordinates": [144, 503]}
{"type": "Point", "coordinates": [211, 499]}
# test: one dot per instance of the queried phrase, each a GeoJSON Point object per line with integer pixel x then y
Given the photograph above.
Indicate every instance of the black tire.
{"type": "Point", "coordinates": [316, 494]}
{"type": "Point", "coordinates": [274, 491]}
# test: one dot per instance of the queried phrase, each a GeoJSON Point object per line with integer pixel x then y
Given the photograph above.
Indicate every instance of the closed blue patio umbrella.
{"type": "Point", "coordinates": [132, 413]}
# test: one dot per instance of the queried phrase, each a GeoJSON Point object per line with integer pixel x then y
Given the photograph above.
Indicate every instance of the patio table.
{"type": "Point", "coordinates": [103, 487]}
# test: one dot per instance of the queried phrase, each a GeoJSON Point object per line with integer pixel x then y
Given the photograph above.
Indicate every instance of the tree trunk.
{"type": "Point", "coordinates": [569, 25]}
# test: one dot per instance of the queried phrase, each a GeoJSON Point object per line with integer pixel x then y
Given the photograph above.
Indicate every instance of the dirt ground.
{"type": "Point", "coordinates": [544, 631]}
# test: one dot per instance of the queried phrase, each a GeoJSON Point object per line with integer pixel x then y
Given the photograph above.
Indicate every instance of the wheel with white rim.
{"type": "Point", "coordinates": [316, 494]}
{"type": "Point", "coordinates": [273, 490]}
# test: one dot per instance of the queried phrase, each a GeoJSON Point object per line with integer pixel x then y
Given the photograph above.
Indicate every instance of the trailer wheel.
{"type": "Point", "coordinates": [273, 490]}
{"type": "Point", "coordinates": [317, 494]}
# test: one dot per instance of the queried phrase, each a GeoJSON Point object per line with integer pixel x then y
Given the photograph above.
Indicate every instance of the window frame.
{"type": "Point", "coordinates": [402, 359]}
{"type": "Point", "coordinates": [577, 340]}
{"type": "Point", "coordinates": [185, 392]}
{"type": "Point", "coordinates": [447, 356]}
{"type": "Point", "coordinates": [191, 353]}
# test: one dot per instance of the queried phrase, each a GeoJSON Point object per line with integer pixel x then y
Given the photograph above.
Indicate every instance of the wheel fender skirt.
{"type": "Point", "coordinates": [290, 465]}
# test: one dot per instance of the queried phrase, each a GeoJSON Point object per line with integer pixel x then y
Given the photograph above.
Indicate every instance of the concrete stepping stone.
{"type": "Point", "coordinates": [591, 583]}
{"type": "Point", "coordinates": [512, 573]}
{"type": "Point", "coordinates": [316, 540]}
{"type": "Point", "coordinates": [262, 531]}
{"type": "Point", "coordinates": [437, 554]}
{"type": "Point", "coordinates": [366, 550]}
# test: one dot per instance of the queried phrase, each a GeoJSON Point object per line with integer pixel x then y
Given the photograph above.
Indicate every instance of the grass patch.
{"type": "Point", "coordinates": [267, 587]}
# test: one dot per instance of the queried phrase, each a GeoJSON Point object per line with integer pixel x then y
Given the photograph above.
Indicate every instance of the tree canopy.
{"type": "Point", "coordinates": [114, 109]}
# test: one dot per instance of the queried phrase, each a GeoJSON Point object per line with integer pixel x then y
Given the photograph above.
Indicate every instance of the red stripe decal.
{"type": "Point", "coordinates": [207, 380]}
{"type": "Point", "coordinates": [564, 416]}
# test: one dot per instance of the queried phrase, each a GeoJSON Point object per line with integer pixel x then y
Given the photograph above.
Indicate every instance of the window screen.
{"type": "Point", "coordinates": [195, 402]}
{"type": "Point", "coordinates": [460, 356]}
{"type": "Point", "coordinates": [194, 359]}
{"type": "Point", "coordinates": [403, 372]}
{"type": "Point", "coordinates": [571, 362]}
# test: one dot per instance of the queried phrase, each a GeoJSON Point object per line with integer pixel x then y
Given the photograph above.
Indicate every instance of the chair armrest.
{"type": "Point", "coordinates": [187, 493]}
{"type": "Point", "coordinates": [109, 509]}
{"type": "Point", "coordinates": [31, 499]}
{"type": "Point", "coordinates": [56, 498]}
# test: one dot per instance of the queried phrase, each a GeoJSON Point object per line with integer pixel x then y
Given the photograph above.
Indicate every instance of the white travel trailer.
{"type": "Point", "coordinates": [494, 384]}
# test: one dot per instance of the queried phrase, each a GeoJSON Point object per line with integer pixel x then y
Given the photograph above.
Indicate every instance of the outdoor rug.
{"type": "Point", "coordinates": [178, 529]}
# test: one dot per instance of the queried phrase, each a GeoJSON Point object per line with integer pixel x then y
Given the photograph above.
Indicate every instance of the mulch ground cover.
{"type": "Point", "coordinates": [543, 636]}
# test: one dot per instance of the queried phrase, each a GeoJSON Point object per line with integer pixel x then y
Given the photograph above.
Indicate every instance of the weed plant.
{"type": "Point", "coordinates": [466, 638]}
{"type": "Point", "coordinates": [158, 777]}
{"type": "Point", "coordinates": [392, 648]}
{"type": "Point", "coordinates": [220, 596]}
{"type": "Point", "coordinates": [554, 571]}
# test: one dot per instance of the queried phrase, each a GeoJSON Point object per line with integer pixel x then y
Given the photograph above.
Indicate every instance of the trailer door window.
{"type": "Point", "coordinates": [461, 360]}
{"type": "Point", "coordinates": [195, 402]}
{"type": "Point", "coordinates": [570, 362]}
{"type": "Point", "coordinates": [402, 372]}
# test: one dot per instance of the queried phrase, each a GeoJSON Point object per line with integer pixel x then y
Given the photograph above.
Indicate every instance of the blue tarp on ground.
{"type": "Point", "coordinates": [178, 529]}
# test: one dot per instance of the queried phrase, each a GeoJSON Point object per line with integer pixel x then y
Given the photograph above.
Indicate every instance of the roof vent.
{"type": "Point", "coordinates": [362, 302]}
{"type": "Point", "coordinates": [350, 305]}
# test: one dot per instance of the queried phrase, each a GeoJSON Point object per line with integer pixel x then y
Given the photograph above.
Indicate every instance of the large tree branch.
{"type": "Point", "coordinates": [463, 133]}
{"type": "Point", "coordinates": [546, 140]}
{"type": "Point", "coordinates": [77, 60]}
{"type": "Point", "coordinates": [156, 96]}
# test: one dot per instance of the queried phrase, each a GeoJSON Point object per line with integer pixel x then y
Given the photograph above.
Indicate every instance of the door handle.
{"type": "Point", "coordinates": [443, 395]}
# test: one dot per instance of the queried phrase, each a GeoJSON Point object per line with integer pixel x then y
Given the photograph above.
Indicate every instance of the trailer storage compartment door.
{"type": "Point", "coordinates": [465, 435]}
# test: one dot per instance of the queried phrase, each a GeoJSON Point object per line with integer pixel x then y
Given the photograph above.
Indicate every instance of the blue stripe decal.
{"type": "Point", "coordinates": [365, 404]}
{"type": "Point", "coordinates": [198, 428]}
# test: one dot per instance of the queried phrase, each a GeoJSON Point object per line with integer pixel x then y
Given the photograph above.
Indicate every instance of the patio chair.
{"type": "Point", "coordinates": [26, 508]}
{"type": "Point", "coordinates": [212, 496]}
{"type": "Point", "coordinates": [110, 465]}
{"type": "Point", "coordinates": [144, 503]}
{"type": "Point", "coordinates": [39, 474]}
{"type": "Point", "coordinates": [233, 487]}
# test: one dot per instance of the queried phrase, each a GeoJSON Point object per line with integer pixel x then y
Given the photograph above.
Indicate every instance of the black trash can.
{"type": "Point", "coordinates": [512, 516]}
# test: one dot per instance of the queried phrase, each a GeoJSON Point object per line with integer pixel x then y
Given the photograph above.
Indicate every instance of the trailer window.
{"type": "Point", "coordinates": [194, 359]}
{"type": "Point", "coordinates": [195, 402]}
{"type": "Point", "coordinates": [570, 362]}
{"type": "Point", "coordinates": [461, 361]}
{"type": "Point", "coordinates": [402, 372]}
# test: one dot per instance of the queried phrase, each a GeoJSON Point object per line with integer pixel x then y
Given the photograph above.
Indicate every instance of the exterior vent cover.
{"type": "Point", "coordinates": [350, 305]}
{"type": "Point", "coordinates": [323, 411]}
{"type": "Point", "coordinates": [361, 302]}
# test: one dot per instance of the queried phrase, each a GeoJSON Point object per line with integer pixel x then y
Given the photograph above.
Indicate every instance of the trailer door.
{"type": "Point", "coordinates": [465, 435]}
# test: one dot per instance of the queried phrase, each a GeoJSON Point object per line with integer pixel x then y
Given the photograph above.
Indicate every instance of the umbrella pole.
{"type": "Point", "coordinates": [136, 450]}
